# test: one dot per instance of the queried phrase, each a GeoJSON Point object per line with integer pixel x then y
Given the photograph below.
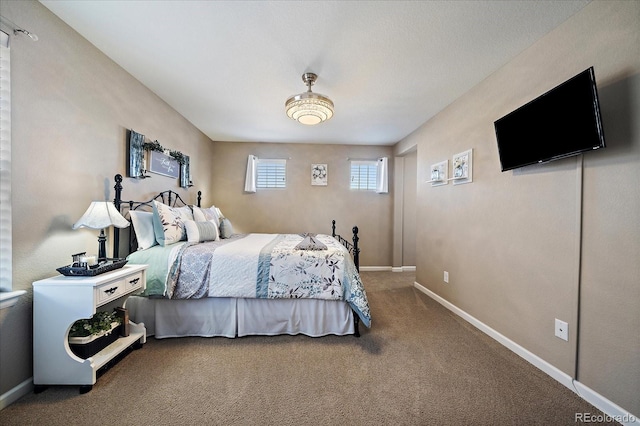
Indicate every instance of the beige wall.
{"type": "Point", "coordinates": [511, 241]}
{"type": "Point", "coordinates": [560, 240]}
{"type": "Point", "coordinates": [71, 107]}
{"type": "Point", "coordinates": [302, 207]}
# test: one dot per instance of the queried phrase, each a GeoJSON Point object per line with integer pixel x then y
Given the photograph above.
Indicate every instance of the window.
{"type": "Point", "coordinates": [363, 175]}
{"type": "Point", "coordinates": [271, 174]}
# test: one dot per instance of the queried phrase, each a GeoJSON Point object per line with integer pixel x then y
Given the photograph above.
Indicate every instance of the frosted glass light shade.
{"type": "Point", "coordinates": [309, 108]}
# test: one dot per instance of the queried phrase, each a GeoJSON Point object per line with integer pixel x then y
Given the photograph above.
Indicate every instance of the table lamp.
{"type": "Point", "coordinates": [100, 215]}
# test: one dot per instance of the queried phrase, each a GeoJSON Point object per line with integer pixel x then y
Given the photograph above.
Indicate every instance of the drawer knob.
{"type": "Point", "coordinates": [111, 290]}
{"type": "Point", "coordinates": [134, 281]}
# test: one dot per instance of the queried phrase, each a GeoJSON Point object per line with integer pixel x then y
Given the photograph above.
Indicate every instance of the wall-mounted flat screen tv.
{"type": "Point", "coordinates": [564, 121]}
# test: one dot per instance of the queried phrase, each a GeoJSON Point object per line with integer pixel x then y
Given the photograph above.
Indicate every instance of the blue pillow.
{"type": "Point", "coordinates": [226, 230]}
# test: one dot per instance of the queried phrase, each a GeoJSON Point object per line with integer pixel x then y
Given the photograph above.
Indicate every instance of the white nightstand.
{"type": "Point", "coordinates": [58, 302]}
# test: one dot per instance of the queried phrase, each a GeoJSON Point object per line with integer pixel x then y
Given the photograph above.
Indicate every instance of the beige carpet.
{"type": "Point", "coordinates": [418, 365]}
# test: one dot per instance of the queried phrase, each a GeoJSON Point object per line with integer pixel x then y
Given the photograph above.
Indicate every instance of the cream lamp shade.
{"type": "Point", "coordinates": [100, 215]}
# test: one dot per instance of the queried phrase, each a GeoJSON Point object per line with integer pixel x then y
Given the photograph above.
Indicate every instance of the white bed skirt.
{"type": "Point", "coordinates": [229, 317]}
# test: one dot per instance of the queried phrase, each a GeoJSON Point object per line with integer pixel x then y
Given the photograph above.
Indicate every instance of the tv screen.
{"type": "Point", "coordinates": [564, 121]}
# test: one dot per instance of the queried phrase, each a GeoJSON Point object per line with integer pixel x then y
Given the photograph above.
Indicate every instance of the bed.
{"type": "Point", "coordinates": [205, 280]}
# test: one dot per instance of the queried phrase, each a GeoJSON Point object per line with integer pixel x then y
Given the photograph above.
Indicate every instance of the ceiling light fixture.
{"type": "Point", "coordinates": [309, 108]}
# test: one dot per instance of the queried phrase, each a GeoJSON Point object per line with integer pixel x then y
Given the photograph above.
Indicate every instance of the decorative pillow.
{"type": "Point", "coordinates": [226, 230]}
{"type": "Point", "coordinates": [204, 215]}
{"type": "Point", "coordinates": [143, 227]}
{"type": "Point", "coordinates": [168, 223]}
{"type": "Point", "coordinates": [198, 232]}
{"type": "Point", "coordinates": [185, 212]}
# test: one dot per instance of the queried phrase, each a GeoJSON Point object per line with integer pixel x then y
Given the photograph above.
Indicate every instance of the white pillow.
{"type": "Point", "coordinates": [203, 215]}
{"type": "Point", "coordinates": [198, 232]}
{"type": "Point", "coordinates": [185, 212]}
{"type": "Point", "coordinates": [143, 227]}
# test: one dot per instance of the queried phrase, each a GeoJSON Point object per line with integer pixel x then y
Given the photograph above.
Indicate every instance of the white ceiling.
{"type": "Point", "coordinates": [388, 66]}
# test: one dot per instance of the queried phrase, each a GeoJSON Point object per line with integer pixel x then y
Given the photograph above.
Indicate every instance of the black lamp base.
{"type": "Point", "coordinates": [102, 246]}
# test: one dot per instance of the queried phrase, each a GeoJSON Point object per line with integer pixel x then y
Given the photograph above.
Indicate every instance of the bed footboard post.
{"type": "Point", "coordinates": [117, 201]}
{"type": "Point", "coordinates": [199, 198]}
{"type": "Point", "coordinates": [356, 249]}
{"type": "Point", "coordinates": [356, 324]}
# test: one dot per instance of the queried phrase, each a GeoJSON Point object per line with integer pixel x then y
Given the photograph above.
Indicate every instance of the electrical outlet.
{"type": "Point", "coordinates": [446, 277]}
{"type": "Point", "coordinates": [562, 330]}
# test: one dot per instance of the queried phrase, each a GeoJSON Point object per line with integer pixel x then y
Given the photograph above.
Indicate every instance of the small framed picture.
{"type": "Point", "coordinates": [439, 173]}
{"type": "Point", "coordinates": [136, 155]}
{"type": "Point", "coordinates": [319, 174]}
{"type": "Point", "coordinates": [463, 167]}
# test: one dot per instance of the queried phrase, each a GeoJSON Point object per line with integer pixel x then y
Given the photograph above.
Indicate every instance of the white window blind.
{"type": "Point", "coordinates": [271, 173]}
{"type": "Point", "coordinates": [363, 175]}
{"type": "Point", "coordinates": [5, 164]}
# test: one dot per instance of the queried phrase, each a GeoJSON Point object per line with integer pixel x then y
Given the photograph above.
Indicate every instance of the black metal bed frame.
{"type": "Point", "coordinates": [172, 198]}
{"type": "Point", "coordinates": [353, 248]}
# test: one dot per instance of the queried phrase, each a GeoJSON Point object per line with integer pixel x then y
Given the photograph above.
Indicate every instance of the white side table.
{"type": "Point", "coordinates": [58, 302]}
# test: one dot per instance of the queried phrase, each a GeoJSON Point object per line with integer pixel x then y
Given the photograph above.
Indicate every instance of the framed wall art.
{"type": "Point", "coordinates": [146, 155]}
{"type": "Point", "coordinates": [463, 167]}
{"type": "Point", "coordinates": [163, 164]}
{"type": "Point", "coordinates": [439, 173]}
{"type": "Point", "coordinates": [136, 155]}
{"type": "Point", "coordinates": [319, 174]}
{"type": "Point", "coordinates": [185, 173]}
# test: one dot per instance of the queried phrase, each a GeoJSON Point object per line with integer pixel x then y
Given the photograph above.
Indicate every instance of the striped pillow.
{"type": "Point", "coordinates": [198, 232]}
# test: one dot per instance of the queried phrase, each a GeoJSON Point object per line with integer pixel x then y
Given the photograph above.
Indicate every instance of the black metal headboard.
{"type": "Point", "coordinates": [170, 198]}
{"type": "Point", "coordinates": [173, 199]}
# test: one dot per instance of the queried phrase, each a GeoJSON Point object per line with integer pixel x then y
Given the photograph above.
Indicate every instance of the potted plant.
{"type": "Point", "coordinates": [89, 336]}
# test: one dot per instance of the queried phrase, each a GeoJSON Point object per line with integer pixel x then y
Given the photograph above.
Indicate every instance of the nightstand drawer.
{"type": "Point", "coordinates": [109, 291]}
{"type": "Point", "coordinates": [133, 282]}
{"type": "Point", "coordinates": [114, 289]}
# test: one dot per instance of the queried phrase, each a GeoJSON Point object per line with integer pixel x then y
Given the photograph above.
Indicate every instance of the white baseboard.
{"type": "Point", "coordinates": [375, 268]}
{"type": "Point", "coordinates": [387, 268]}
{"type": "Point", "coordinates": [600, 402]}
{"type": "Point", "coordinates": [16, 393]}
{"type": "Point", "coordinates": [615, 412]}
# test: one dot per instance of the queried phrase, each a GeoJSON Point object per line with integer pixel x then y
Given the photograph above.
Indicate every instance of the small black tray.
{"type": "Point", "coordinates": [105, 266]}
